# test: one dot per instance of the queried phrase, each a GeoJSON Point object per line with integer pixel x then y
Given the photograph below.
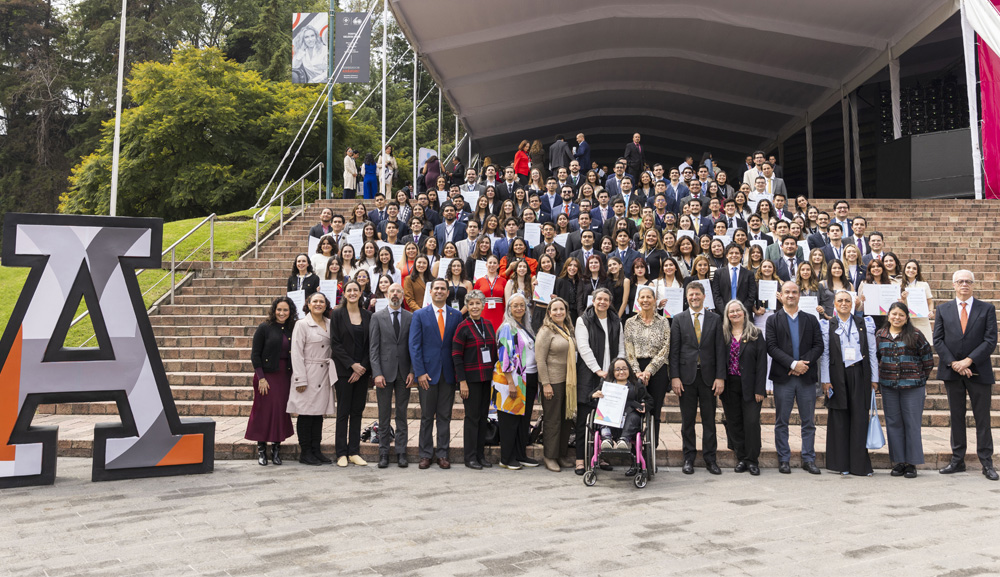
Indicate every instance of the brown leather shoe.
{"type": "Point", "coordinates": [443, 463]}
{"type": "Point", "coordinates": [425, 464]}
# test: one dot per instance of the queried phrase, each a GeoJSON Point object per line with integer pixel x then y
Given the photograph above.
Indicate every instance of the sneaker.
{"type": "Point", "coordinates": [631, 472]}
{"type": "Point", "coordinates": [528, 462]}
{"type": "Point", "coordinates": [622, 445]}
{"type": "Point", "coordinates": [898, 470]}
{"type": "Point", "coordinates": [356, 460]}
{"type": "Point", "coordinates": [515, 466]}
{"type": "Point", "coordinates": [607, 445]}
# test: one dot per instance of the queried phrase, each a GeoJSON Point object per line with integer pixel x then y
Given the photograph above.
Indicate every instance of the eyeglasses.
{"type": "Point", "coordinates": [623, 369]}
{"type": "Point", "coordinates": [964, 281]}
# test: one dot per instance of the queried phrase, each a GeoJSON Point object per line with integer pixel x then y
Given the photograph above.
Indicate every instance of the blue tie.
{"type": "Point", "coordinates": [732, 284]}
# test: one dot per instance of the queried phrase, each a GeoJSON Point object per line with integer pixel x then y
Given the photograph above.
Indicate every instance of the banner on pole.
{"type": "Point", "coordinates": [310, 52]}
{"type": "Point", "coordinates": [357, 65]}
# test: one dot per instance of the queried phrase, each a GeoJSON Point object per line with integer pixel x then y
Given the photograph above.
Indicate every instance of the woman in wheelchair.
{"type": "Point", "coordinates": [635, 411]}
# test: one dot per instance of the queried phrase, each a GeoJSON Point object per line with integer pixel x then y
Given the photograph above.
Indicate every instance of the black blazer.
{"type": "Point", "coordinates": [753, 367]}
{"type": "Point", "coordinates": [685, 348]}
{"type": "Point", "coordinates": [779, 346]}
{"type": "Point", "coordinates": [838, 378]}
{"type": "Point", "coordinates": [746, 289]}
{"type": "Point", "coordinates": [342, 342]}
{"type": "Point", "coordinates": [310, 284]}
{"type": "Point", "coordinates": [566, 290]}
{"type": "Point", "coordinates": [267, 341]}
{"type": "Point", "coordinates": [977, 343]}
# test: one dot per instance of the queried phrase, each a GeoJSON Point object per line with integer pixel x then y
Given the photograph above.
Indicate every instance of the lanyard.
{"type": "Point", "coordinates": [480, 332]}
{"type": "Point", "coordinates": [492, 283]}
{"type": "Point", "coordinates": [593, 283]}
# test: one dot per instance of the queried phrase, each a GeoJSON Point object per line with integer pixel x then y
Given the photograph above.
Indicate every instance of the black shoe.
{"type": "Point", "coordinates": [401, 461]}
{"type": "Point", "coordinates": [631, 471]}
{"type": "Point", "coordinates": [688, 468]}
{"type": "Point", "coordinates": [741, 467]}
{"type": "Point", "coordinates": [307, 458]}
{"type": "Point", "coordinates": [811, 467]}
{"type": "Point", "coordinates": [262, 453]}
{"type": "Point", "coordinates": [785, 468]}
{"type": "Point", "coordinates": [276, 453]}
{"type": "Point", "coordinates": [473, 465]}
{"type": "Point", "coordinates": [954, 466]}
{"type": "Point", "coordinates": [321, 457]}
{"type": "Point", "coordinates": [713, 468]}
{"type": "Point", "coordinates": [910, 472]}
{"type": "Point", "coordinates": [580, 471]}
{"type": "Point", "coordinates": [526, 462]}
{"type": "Point", "coordinates": [383, 460]}
{"type": "Point", "coordinates": [990, 473]}
{"type": "Point", "coordinates": [754, 469]}
{"type": "Point", "coordinates": [488, 465]}
{"type": "Point", "coordinates": [898, 470]}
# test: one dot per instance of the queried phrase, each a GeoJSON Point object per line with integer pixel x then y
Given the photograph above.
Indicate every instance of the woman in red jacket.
{"type": "Point", "coordinates": [522, 162]}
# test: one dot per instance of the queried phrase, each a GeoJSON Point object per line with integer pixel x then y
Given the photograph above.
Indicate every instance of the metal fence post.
{"type": "Point", "coordinates": [303, 195]}
{"type": "Point", "coordinates": [173, 261]}
{"type": "Point", "coordinates": [256, 225]}
{"type": "Point", "coordinates": [281, 216]}
{"type": "Point", "coordinates": [211, 243]}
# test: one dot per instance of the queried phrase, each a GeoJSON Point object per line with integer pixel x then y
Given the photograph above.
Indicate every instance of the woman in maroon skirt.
{"type": "Point", "coordinates": [269, 422]}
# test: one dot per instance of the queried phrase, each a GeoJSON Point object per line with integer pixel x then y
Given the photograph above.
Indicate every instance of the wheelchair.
{"type": "Point", "coordinates": [642, 453]}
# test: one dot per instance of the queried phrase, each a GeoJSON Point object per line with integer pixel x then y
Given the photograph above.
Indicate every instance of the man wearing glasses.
{"type": "Point", "coordinates": [965, 335]}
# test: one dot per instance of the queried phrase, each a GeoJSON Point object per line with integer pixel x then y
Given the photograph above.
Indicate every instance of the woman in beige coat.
{"type": "Point", "coordinates": [313, 375]}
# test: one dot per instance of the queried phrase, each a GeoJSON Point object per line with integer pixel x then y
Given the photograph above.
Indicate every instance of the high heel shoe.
{"type": "Point", "coordinates": [275, 453]}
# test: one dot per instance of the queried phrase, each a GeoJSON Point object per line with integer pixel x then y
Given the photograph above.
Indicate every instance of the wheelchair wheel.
{"type": "Point", "coordinates": [590, 478]}
{"type": "Point", "coordinates": [588, 448]}
{"type": "Point", "coordinates": [640, 481]}
{"type": "Point", "coordinates": [649, 446]}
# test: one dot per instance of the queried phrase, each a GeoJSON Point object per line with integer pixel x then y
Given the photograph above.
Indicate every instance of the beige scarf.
{"type": "Point", "coordinates": [570, 373]}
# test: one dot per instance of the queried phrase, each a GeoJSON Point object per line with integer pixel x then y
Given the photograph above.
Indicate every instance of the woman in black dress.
{"type": "Point", "coordinates": [272, 372]}
{"type": "Point", "coordinates": [567, 284]}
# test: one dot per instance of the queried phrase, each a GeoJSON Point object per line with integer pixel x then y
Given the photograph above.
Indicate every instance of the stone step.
{"type": "Point", "coordinates": [214, 330]}
{"type": "Point", "coordinates": [242, 343]}
{"type": "Point", "coordinates": [224, 299]}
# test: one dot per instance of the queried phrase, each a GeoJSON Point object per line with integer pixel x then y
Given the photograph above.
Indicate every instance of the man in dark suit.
{"type": "Point", "coordinates": [965, 336]}
{"type": "Point", "coordinates": [575, 178]}
{"type": "Point", "coordinates": [582, 154]}
{"type": "Point", "coordinates": [698, 358]}
{"type": "Point", "coordinates": [431, 216]}
{"type": "Point", "coordinates": [613, 182]}
{"type": "Point", "coordinates": [588, 247]}
{"type": "Point", "coordinates": [820, 238]}
{"type": "Point", "coordinates": [834, 249]}
{"type": "Point", "coordinates": [745, 289]}
{"type": "Point", "coordinates": [378, 215]}
{"type": "Point", "coordinates": [505, 190]}
{"type": "Point", "coordinates": [432, 329]}
{"type": "Point", "coordinates": [754, 224]}
{"type": "Point", "coordinates": [624, 251]}
{"type": "Point", "coordinates": [559, 154]}
{"type": "Point", "coordinates": [392, 215]}
{"type": "Point", "coordinates": [502, 245]}
{"type": "Point", "coordinates": [732, 220]}
{"type": "Point", "coordinates": [417, 233]}
{"type": "Point", "coordinates": [785, 266]}
{"type": "Point", "coordinates": [575, 239]}
{"type": "Point", "coordinates": [451, 230]}
{"type": "Point", "coordinates": [857, 237]}
{"type": "Point", "coordinates": [551, 197]}
{"type": "Point", "coordinates": [390, 357]}
{"type": "Point", "coordinates": [840, 210]}
{"type": "Point", "coordinates": [567, 207]}
{"type": "Point", "coordinates": [325, 225]}
{"type": "Point", "coordinates": [628, 195]}
{"type": "Point", "coordinates": [618, 208]}
{"type": "Point", "coordinates": [634, 156]}
{"type": "Point", "coordinates": [548, 238]}
{"type": "Point", "coordinates": [602, 212]}
{"type": "Point", "coordinates": [795, 344]}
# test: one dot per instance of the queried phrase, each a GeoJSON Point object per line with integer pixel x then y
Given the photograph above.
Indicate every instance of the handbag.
{"type": "Point", "coordinates": [876, 439]}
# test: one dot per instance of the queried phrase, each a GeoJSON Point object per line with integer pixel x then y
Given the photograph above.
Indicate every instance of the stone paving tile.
{"type": "Point", "coordinates": [244, 519]}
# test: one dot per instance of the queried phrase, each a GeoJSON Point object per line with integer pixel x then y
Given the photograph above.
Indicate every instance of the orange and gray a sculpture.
{"type": "Point", "coordinates": [91, 258]}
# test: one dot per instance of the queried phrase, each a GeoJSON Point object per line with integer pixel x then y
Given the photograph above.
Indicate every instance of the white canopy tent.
{"type": "Point", "coordinates": [725, 75]}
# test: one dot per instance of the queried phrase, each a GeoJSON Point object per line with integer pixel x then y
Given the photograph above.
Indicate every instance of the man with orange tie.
{"type": "Point", "coordinates": [965, 335]}
{"type": "Point", "coordinates": [432, 331]}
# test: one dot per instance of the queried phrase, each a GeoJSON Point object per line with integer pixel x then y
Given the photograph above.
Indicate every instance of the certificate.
{"type": "Point", "coordinates": [532, 233]}
{"type": "Point", "coordinates": [480, 271]}
{"type": "Point", "coordinates": [675, 301]}
{"type": "Point", "coordinates": [888, 294]}
{"type": "Point", "coordinates": [397, 253]}
{"type": "Point", "coordinates": [355, 239]}
{"type": "Point", "coordinates": [767, 291]}
{"type": "Point", "coordinates": [313, 243]}
{"type": "Point", "coordinates": [682, 233]}
{"type": "Point", "coordinates": [804, 245]}
{"type": "Point", "coordinates": [299, 300]}
{"type": "Point", "coordinates": [725, 238]}
{"type": "Point", "coordinates": [561, 239]}
{"type": "Point", "coordinates": [611, 407]}
{"type": "Point", "coordinates": [545, 287]}
{"type": "Point", "coordinates": [427, 294]}
{"type": "Point", "coordinates": [444, 263]}
{"type": "Point", "coordinates": [916, 301]}
{"type": "Point", "coordinates": [471, 197]}
{"type": "Point", "coordinates": [808, 305]}
{"type": "Point", "coordinates": [709, 299]}
{"type": "Point", "coordinates": [329, 288]}
{"type": "Point", "coordinates": [381, 304]}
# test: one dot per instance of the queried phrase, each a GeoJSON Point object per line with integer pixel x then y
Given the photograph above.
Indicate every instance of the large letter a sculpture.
{"type": "Point", "coordinates": [90, 258]}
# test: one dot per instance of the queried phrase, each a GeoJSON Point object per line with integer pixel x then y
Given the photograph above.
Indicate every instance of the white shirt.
{"type": "Point", "coordinates": [968, 307]}
{"type": "Point", "coordinates": [587, 354]}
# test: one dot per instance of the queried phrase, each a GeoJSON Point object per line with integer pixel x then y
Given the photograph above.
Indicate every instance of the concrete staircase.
{"type": "Point", "coordinates": [205, 337]}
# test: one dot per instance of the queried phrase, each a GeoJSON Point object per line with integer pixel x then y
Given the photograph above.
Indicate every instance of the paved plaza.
{"type": "Point", "coordinates": [295, 520]}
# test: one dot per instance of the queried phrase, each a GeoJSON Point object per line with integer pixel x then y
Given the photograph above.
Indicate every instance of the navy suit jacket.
{"type": "Point", "coordinates": [596, 220]}
{"type": "Point", "coordinates": [613, 186]}
{"type": "Point", "coordinates": [374, 217]}
{"type": "Point", "coordinates": [630, 256]}
{"type": "Point", "coordinates": [546, 206]}
{"type": "Point", "coordinates": [459, 233]}
{"type": "Point", "coordinates": [429, 354]}
{"type": "Point", "coordinates": [574, 211]}
{"type": "Point", "coordinates": [583, 156]}
{"type": "Point", "coordinates": [977, 343]}
{"type": "Point", "coordinates": [779, 346]}
{"type": "Point", "coordinates": [502, 246]}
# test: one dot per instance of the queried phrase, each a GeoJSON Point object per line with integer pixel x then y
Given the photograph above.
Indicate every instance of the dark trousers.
{"type": "Point", "coordinates": [698, 396]}
{"type": "Point", "coordinates": [350, 193]}
{"type": "Point", "coordinates": [309, 429]}
{"type": "Point", "coordinates": [903, 410]}
{"type": "Point", "coordinates": [582, 412]}
{"type": "Point", "coordinates": [555, 426]}
{"type": "Point", "coordinates": [742, 421]}
{"type": "Point", "coordinates": [847, 429]}
{"type": "Point", "coordinates": [530, 394]}
{"type": "Point", "coordinates": [658, 387]}
{"type": "Point", "coordinates": [979, 397]}
{"type": "Point", "coordinates": [477, 410]}
{"type": "Point", "coordinates": [393, 389]}
{"type": "Point", "coordinates": [633, 424]}
{"type": "Point", "coordinates": [351, 398]}
{"type": "Point", "coordinates": [511, 441]}
{"type": "Point", "coordinates": [435, 407]}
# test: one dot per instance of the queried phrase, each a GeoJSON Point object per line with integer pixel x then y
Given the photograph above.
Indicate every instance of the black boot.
{"type": "Point", "coordinates": [275, 450]}
{"type": "Point", "coordinates": [304, 431]}
{"type": "Point", "coordinates": [317, 436]}
{"type": "Point", "coordinates": [262, 453]}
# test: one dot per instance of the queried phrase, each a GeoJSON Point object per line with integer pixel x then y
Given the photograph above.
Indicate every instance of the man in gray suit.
{"type": "Point", "coordinates": [390, 357]}
{"type": "Point", "coordinates": [775, 185]}
{"type": "Point", "coordinates": [559, 155]}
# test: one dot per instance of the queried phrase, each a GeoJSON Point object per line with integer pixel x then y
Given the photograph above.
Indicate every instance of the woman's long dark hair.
{"type": "Point", "coordinates": [909, 336]}
{"type": "Point", "coordinates": [295, 269]}
{"type": "Point", "coordinates": [369, 159]}
{"type": "Point", "coordinates": [272, 318]}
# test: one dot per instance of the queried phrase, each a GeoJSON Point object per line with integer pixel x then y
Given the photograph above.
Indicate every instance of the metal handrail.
{"type": "Point", "coordinates": [280, 198]}
{"type": "Point", "coordinates": [172, 249]}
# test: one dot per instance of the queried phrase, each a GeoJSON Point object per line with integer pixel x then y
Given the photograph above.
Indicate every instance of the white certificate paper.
{"type": "Point", "coordinates": [381, 304]}
{"type": "Point", "coordinates": [299, 300]}
{"type": "Point", "coordinates": [561, 239]}
{"type": "Point", "coordinates": [397, 253]}
{"type": "Point", "coordinates": [916, 301]}
{"type": "Point", "coordinates": [761, 243]}
{"type": "Point", "coordinates": [888, 294]}
{"type": "Point", "coordinates": [709, 298]}
{"type": "Point", "coordinates": [872, 296]}
{"type": "Point", "coordinates": [329, 288]}
{"type": "Point", "coordinates": [767, 291]}
{"type": "Point", "coordinates": [355, 239]}
{"type": "Point", "coordinates": [611, 407]}
{"type": "Point", "coordinates": [313, 243]}
{"type": "Point", "coordinates": [480, 271]}
{"type": "Point", "coordinates": [682, 233]}
{"type": "Point", "coordinates": [808, 305]}
{"type": "Point", "coordinates": [444, 264]}
{"type": "Point", "coordinates": [545, 287]}
{"type": "Point", "coordinates": [532, 233]}
{"type": "Point", "coordinates": [675, 301]}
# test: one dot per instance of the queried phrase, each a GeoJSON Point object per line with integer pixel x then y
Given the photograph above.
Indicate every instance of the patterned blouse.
{"type": "Point", "coordinates": [734, 357]}
{"type": "Point", "coordinates": [899, 366]}
{"type": "Point", "coordinates": [647, 342]}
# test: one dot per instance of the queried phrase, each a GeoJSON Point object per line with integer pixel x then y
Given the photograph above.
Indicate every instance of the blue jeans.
{"type": "Point", "coordinates": [785, 397]}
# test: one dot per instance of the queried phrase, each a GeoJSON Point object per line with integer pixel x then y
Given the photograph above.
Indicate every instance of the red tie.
{"type": "Point", "coordinates": [965, 317]}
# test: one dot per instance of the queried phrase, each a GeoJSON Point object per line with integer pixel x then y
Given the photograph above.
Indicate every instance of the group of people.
{"type": "Point", "coordinates": [696, 287]}
{"type": "Point", "coordinates": [374, 175]}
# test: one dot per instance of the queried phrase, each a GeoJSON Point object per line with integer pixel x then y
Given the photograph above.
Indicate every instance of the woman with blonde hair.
{"type": "Point", "coordinates": [555, 355]}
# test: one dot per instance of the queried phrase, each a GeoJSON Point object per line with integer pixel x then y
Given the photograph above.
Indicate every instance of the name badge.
{"type": "Point", "coordinates": [491, 304]}
{"type": "Point", "coordinates": [850, 354]}
{"type": "Point", "coordinates": [590, 300]}
{"type": "Point", "coordinates": [487, 358]}
{"type": "Point", "coordinates": [454, 305]}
